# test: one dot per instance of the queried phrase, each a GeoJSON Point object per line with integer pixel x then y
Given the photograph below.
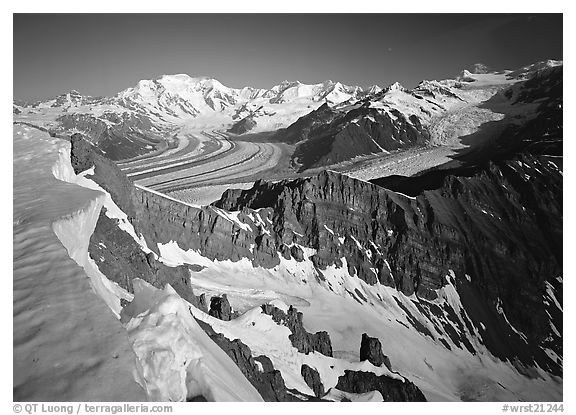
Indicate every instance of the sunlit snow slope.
{"type": "Point", "coordinates": [68, 345]}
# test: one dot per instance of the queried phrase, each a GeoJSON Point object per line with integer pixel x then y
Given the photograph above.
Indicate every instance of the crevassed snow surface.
{"type": "Point", "coordinates": [68, 345]}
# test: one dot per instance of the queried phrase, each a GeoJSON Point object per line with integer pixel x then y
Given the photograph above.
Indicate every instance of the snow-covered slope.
{"type": "Point", "coordinates": [181, 97]}
{"type": "Point", "coordinates": [176, 358]}
{"type": "Point", "coordinates": [68, 345]}
{"type": "Point", "coordinates": [346, 307]}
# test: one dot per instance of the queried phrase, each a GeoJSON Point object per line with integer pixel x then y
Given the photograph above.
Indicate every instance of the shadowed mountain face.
{"type": "Point", "coordinates": [119, 136]}
{"type": "Point", "coordinates": [330, 138]}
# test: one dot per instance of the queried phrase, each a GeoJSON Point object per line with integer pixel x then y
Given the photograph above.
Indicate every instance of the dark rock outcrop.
{"type": "Point", "coordinates": [80, 153]}
{"type": "Point", "coordinates": [203, 303]}
{"type": "Point", "coordinates": [327, 136]}
{"type": "Point", "coordinates": [312, 379]}
{"type": "Point", "coordinates": [371, 350]}
{"type": "Point", "coordinates": [243, 126]}
{"type": "Point", "coordinates": [392, 390]}
{"type": "Point", "coordinates": [220, 308]}
{"type": "Point", "coordinates": [302, 340]}
{"type": "Point", "coordinates": [121, 259]}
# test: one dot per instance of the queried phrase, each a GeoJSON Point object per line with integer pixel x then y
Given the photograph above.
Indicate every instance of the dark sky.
{"type": "Point", "coordinates": [100, 54]}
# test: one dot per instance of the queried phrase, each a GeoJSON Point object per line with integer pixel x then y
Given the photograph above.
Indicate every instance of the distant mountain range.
{"type": "Point", "coordinates": [329, 121]}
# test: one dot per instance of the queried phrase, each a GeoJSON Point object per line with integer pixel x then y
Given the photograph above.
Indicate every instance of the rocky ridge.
{"type": "Point", "coordinates": [303, 341]}
{"type": "Point", "coordinates": [122, 259]}
{"type": "Point", "coordinates": [408, 242]}
{"type": "Point", "coordinates": [391, 389]}
{"type": "Point", "coordinates": [329, 136]}
{"type": "Point", "coordinates": [371, 350]}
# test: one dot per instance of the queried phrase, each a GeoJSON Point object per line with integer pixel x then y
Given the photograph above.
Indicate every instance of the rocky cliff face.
{"type": "Point", "coordinates": [214, 233]}
{"type": "Point", "coordinates": [391, 389]}
{"type": "Point", "coordinates": [496, 229]}
{"type": "Point", "coordinates": [119, 136]}
{"type": "Point", "coordinates": [303, 341]}
{"type": "Point", "coordinates": [122, 260]}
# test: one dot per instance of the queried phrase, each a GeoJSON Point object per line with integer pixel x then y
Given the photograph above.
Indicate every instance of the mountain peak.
{"type": "Point", "coordinates": [479, 68]}
{"type": "Point", "coordinates": [529, 70]}
{"type": "Point", "coordinates": [396, 86]}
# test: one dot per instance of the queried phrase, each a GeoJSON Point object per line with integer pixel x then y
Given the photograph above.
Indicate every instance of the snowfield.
{"type": "Point", "coordinates": [265, 337]}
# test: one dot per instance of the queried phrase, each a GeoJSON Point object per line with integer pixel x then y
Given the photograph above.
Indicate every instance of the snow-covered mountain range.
{"type": "Point", "coordinates": [147, 115]}
{"type": "Point", "coordinates": [145, 118]}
